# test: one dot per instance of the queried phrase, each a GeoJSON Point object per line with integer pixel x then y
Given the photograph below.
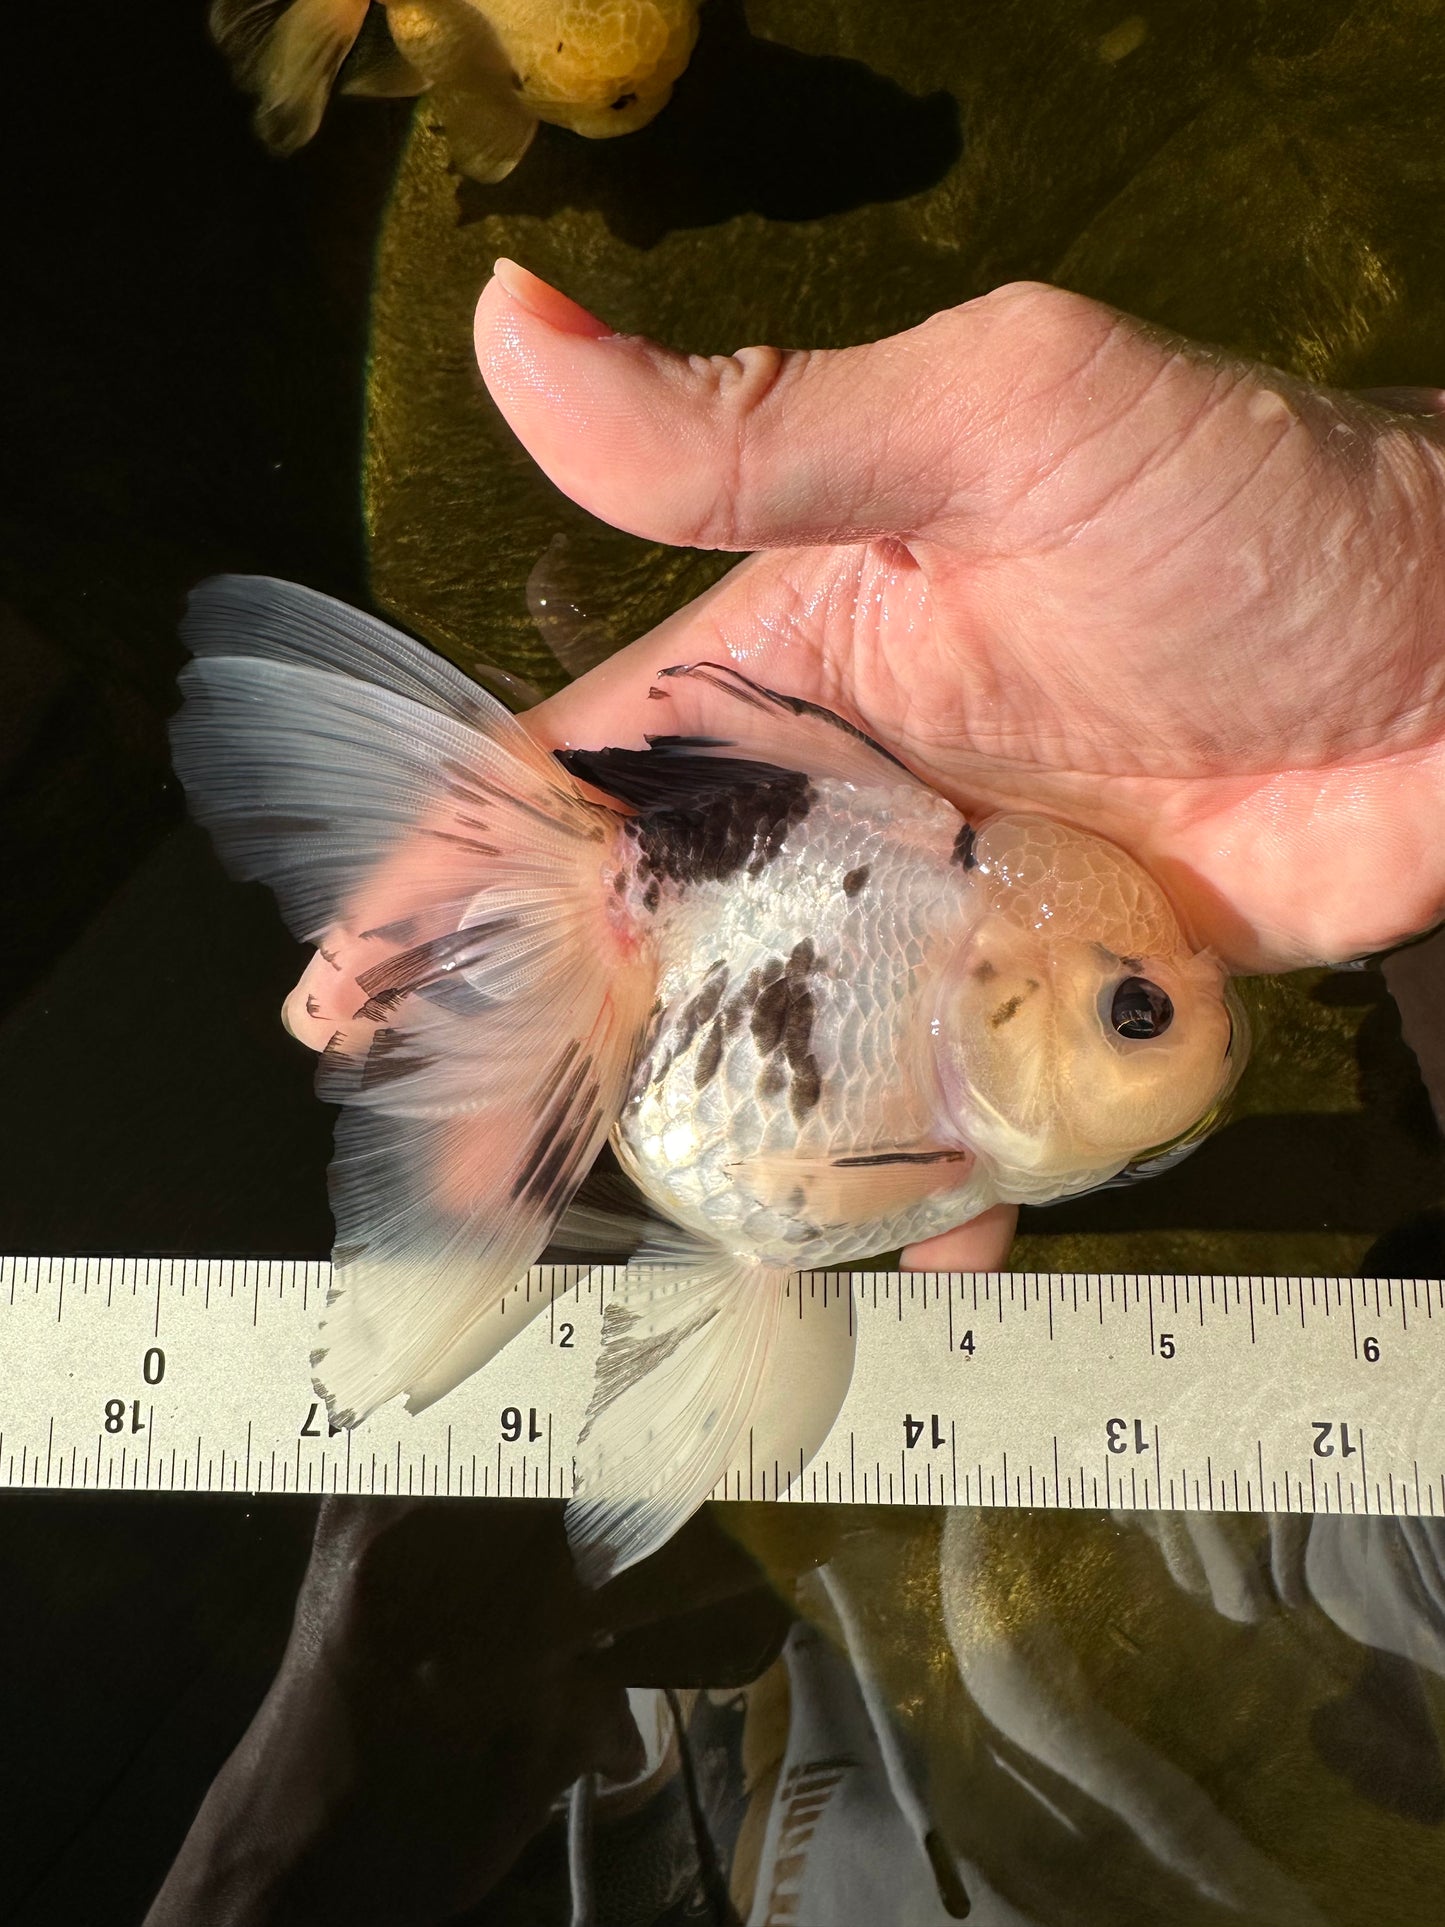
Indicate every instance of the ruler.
{"type": "Point", "coordinates": [1016, 1389]}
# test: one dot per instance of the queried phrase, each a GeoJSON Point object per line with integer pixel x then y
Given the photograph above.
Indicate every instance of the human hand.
{"type": "Point", "coordinates": [1054, 560]}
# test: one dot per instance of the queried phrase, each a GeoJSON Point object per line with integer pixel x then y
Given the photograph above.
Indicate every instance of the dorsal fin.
{"type": "Point", "coordinates": [672, 773]}
{"type": "Point", "coordinates": [715, 701]}
{"type": "Point", "coordinates": [700, 818]}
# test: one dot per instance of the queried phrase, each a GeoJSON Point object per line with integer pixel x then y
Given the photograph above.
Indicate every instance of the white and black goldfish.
{"type": "Point", "coordinates": [817, 1012]}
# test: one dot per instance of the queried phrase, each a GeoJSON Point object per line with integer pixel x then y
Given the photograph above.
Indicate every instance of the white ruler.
{"type": "Point", "coordinates": [1023, 1389]}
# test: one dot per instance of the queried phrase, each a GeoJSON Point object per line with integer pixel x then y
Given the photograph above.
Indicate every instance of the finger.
{"type": "Point", "coordinates": [766, 447]}
{"type": "Point", "coordinates": [980, 1245]}
{"type": "Point", "coordinates": [1423, 404]}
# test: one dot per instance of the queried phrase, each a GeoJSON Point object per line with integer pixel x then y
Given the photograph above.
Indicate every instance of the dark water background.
{"type": "Point", "coordinates": [184, 338]}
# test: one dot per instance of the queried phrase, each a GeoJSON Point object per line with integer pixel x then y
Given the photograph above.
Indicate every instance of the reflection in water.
{"type": "Point", "coordinates": [578, 639]}
{"type": "Point", "coordinates": [936, 1725]}
{"type": "Point", "coordinates": [753, 128]}
{"type": "Point", "coordinates": [447, 1680]}
{"type": "Point", "coordinates": [1378, 1736]}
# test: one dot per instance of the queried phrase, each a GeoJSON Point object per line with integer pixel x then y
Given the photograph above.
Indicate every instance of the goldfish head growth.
{"type": "Point", "coordinates": [599, 67]}
{"type": "Point", "coordinates": [1076, 1028]}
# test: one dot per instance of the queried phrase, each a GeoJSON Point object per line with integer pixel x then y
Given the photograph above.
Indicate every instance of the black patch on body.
{"type": "Point", "coordinates": [646, 1058]}
{"type": "Point", "coordinates": [701, 819]}
{"type": "Point", "coordinates": [779, 1006]}
{"type": "Point", "coordinates": [701, 1016]}
{"type": "Point", "coordinates": [738, 1005]}
{"type": "Point", "coordinates": [701, 1009]}
{"type": "Point", "coordinates": [855, 879]}
{"type": "Point", "coordinates": [963, 846]}
{"type": "Point", "coordinates": [770, 1014]}
{"type": "Point", "coordinates": [772, 1078]}
{"type": "Point", "coordinates": [709, 1056]}
{"type": "Point", "coordinates": [782, 1027]}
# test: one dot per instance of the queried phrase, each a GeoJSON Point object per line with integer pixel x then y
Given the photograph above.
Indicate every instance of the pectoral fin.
{"type": "Point", "coordinates": [487, 127]}
{"type": "Point", "coordinates": [859, 1186]}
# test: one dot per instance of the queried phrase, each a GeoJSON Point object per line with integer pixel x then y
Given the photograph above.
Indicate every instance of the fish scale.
{"type": "Point", "coordinates": [682, 1137]}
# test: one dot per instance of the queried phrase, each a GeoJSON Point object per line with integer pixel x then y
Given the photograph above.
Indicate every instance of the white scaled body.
{"type": "Point", "coordinates": [794, 1030]}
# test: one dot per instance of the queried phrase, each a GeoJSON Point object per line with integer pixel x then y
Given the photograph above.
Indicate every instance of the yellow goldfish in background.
{"type": "Point", "coordinates": [492, 68]}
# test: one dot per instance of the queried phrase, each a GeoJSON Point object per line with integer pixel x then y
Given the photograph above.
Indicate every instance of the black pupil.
{"type": "Point", "coordinates": [1141, 1009]}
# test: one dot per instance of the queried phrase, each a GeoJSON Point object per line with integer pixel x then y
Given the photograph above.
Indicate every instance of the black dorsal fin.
{"type": "Point", "coordinates": [715, 700]}
{"type": "Point", "coordinates": [673, 774]}
{"type": "Point", "coordinates": [732, 682]}
{"type": "Point", "coordinates": [700, 818]}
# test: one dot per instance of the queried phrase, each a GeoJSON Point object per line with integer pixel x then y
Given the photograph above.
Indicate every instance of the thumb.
{"type": "Point", "coordinates": [757, 449]}
{"type": "Point", "coordinates": [980, 1245]}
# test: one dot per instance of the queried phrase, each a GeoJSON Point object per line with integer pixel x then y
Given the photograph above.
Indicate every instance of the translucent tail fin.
{"type": "Point", "coordinates": [288, 55]}
{"type": "Point", "coordinates": [481, 1029]}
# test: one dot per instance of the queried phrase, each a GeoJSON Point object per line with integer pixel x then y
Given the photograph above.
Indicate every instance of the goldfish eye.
{"type": "Point", "coordinates": [1140, 1009]}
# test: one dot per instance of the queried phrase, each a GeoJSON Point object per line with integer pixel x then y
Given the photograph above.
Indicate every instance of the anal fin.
{"type": "Point", "coordinates": [695, 1352]}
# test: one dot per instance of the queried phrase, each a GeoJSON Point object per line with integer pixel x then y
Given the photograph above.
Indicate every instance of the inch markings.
{"type": "Point", "coordinates": [1066, 1390]}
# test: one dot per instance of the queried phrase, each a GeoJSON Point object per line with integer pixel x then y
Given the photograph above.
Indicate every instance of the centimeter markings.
{"type": "Point", "coordinates": [1192, 1393]}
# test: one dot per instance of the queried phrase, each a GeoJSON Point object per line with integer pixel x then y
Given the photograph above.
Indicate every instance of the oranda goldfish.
{"type": "Point", "coordinates": [492, 69]}
{"type": "Point", "coordinates": [818, 1013]}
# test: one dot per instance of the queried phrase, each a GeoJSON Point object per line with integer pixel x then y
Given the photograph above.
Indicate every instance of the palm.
{"type": "Point", "coordinates": [1184, 602]}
